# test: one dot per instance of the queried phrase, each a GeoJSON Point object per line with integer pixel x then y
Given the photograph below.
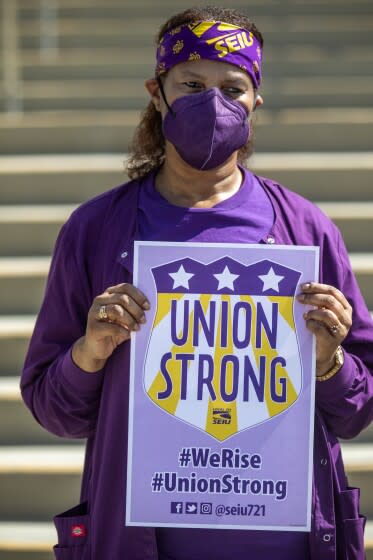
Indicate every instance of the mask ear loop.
{"type": "Point", "coordinates": [159, 81]}
{"type": "Point", "coordinates": [256, 95]}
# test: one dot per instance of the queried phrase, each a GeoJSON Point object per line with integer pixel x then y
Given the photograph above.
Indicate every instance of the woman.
{"type": "Point", "coordinates": [188, 184]}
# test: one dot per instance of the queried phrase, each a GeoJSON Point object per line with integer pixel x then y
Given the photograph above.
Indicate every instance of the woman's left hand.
{"type": "Point", "coordinates": [330, 321]}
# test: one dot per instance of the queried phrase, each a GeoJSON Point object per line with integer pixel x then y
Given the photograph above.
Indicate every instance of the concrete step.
{"type": "Point", "coordinates": [32, 229]}
{"type": "Point", "coordinates": [15, 332]}
{"type": "Point", "coordinates": [27, 540]}
{"type": "Point", "coordinates": [136, 37]}
{"type": "Point", "coordinates": [20, 539]}
{"type": "Point", "coordinates": [358, 460]}
{"type": "Point", "coordinates": [22, 280]}
{"type": "Point", "coordinates": [355, 220]}
{"type": "Point", "coordinates": [95, 8]}
{"type": "Point", "coordinates": [69, 131]}
{"type": "Point", "coordinates": [132, 29]}
{"type": "Point", "coordinates": [130, 94]}
{"type": "Point", "coordinates": [70, 179]}
{"type": "Point", "coordinates": [69, 67]}
{"type": "Point", "coordinates": [58, 179]}
{"type": "Point", "coordinates": [144, 26]}
{"type": "Point", "coordinates": [17, 273]}
{"type": "Point", "coordinates": [281, 61]}
{"type": "Point", "coordinates": [39, 481]}
{"type": "Point", "coordinates": [125, 28]}
{"type": "Point", "coordinates": [18, 426]}
{"type": "Point", "coordinates": [325, 177]}
{"type": "Point", "coordinates": [256, 10]}
{"type": "Point", "coordinates": [362, 265]}
{"type": "Point", "coordinates": [296, 130]}
{"type": "Point", "coordinates": [57, 460]}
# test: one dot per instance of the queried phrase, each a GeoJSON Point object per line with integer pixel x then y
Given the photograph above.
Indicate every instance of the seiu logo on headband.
{"type": "Point", "coordinates": [234, 39]}
{"type": "Point", "coordinates": [232, 43]}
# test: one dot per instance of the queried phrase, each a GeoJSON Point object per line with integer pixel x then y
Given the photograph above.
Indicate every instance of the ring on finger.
{"type": "Point", "coordinates": [102, 313]}
{"type": "Point", "coordinates": [334, 329]}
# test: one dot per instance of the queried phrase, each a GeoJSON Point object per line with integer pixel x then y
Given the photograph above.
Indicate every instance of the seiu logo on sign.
{"type": "Point", "coordinates": [221, 416]}
{"type": "Point", "coordinates": [223, 351]}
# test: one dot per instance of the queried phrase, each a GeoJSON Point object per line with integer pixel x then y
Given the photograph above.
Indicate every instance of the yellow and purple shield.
{"type": "Point", "coordinates": [223, 353]}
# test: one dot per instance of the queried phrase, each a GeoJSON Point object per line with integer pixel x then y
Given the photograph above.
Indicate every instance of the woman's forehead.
{"type": "Point", "coordinates": [210, 69]}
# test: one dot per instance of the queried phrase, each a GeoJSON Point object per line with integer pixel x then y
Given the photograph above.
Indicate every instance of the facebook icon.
{"type": "Point", "coordinates": [176, 507]}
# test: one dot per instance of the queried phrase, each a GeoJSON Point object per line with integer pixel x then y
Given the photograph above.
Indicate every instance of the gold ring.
{"type": "Point", "coordinates": [102, 314]}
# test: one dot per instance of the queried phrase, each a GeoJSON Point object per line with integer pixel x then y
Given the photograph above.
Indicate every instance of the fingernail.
{"type": "Point", "coordinates": [143, 319]}
{"type": "Point", "coordinates": [306, 286]}
{"type": "Point", "coordinates": [305, 315]}
{"type": "Point", "coordinates": [146, 305]}
{"type": "Point", "coordinates": [136, 327]}
{"type": "Point", "coordinates": [301, 297]}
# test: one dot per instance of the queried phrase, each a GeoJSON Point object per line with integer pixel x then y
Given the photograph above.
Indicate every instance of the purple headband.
{"type": "Point", "coordinates": [212, 40]}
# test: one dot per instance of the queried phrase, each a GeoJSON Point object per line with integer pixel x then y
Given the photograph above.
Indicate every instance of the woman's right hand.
{"type": "Point", "coordinates": [122, 311]}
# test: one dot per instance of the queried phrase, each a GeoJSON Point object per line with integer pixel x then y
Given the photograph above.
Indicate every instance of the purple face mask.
{"type": "Point", "coordinates": [206, 128]}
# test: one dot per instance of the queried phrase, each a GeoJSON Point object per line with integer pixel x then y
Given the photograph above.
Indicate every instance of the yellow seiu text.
{"type": "Point", "coordinates": [232, 43]}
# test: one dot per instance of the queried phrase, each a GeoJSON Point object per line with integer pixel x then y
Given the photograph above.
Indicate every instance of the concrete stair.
{"type": "Point", "coordinates": [129, 93]}
{"type": "Point", "coordinates": [16, 272]}
{"type": "Point", "coordinates": [82, 103]}
{"type": "Point", "coordinates": [29, 472]}
{"type": "Point", "coordinates": [95, 9]}
{"type": "Point", "coordinates": [69, 179]}
{"type": "Point", "coordinates": [26, 230]}
{"type": "Point", "coordinates": [27, 541]}
{"type": "Point", "coordinates": [289, 130]}
{"type": "Point", "coordinates": [30, 228]}
{"type": "Point", "coordinates": [58, 470]}
{"type": "Point", "coordinates": [15, 332]}
{"type": "Point", "coordinates": [15, 275]}
{"type": "Point", "coordinates": [104, 53]}
{"type": "Point", "coordinates": [35, 221]}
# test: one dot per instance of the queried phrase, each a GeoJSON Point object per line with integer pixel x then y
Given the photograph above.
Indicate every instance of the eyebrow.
{"type": "Point", "coordinates": [235, 80]}
{"type": "Point", "coordinates": [190, 74]}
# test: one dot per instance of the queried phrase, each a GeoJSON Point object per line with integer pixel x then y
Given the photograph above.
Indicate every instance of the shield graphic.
{"type": "Point", "coordinates": [223, 352]}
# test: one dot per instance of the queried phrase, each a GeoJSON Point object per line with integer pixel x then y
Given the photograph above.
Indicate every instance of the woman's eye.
{"type": "Point", "coordinates": [193, 85]}
{"type": "Point", "coordinates": [232, 91]}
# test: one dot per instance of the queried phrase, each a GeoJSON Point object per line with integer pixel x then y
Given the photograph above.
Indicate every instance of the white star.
{"type": "Point", "coordinates": [181, 278]}
{"type": "Point", "coordinates": [226, 279]}
{"type": "Point", "coordinates": [271, 280]}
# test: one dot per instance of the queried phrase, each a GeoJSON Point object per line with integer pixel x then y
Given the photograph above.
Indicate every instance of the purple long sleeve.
{"type": "Point", "coordinates": [63, 398]}
{"type": "Point", "coordinates": [346, 400]}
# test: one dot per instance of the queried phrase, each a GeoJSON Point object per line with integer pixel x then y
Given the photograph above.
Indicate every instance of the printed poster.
{"type": "Point", "coordinates": [222, 388]}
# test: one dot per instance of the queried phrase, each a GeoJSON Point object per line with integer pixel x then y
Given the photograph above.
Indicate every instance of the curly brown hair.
{"type": "Point", "coordinates": [147, 149]}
